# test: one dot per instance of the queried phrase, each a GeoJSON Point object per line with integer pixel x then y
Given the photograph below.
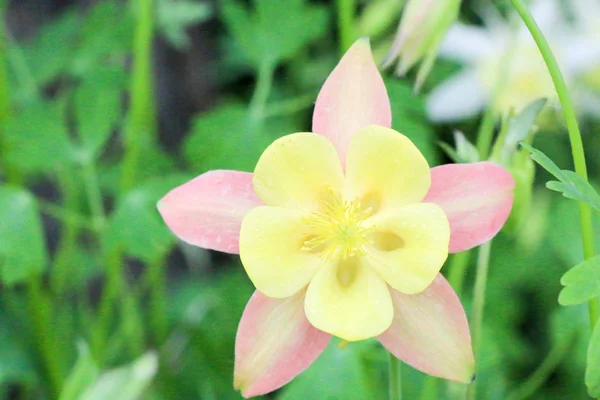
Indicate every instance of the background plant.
{"type": "Point", "coordinates": [106, 105]}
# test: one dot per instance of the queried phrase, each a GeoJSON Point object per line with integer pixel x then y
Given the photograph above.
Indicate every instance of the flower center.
{"type": "Point", "coordinates": [337, 231]}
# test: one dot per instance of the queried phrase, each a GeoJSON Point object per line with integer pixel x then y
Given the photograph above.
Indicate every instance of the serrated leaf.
{"type": "Point", "coordinates": [37, 139]}
{"type": "Point", "coordinates": [98, 110]}
{"type": "Point", "coordinates": [136, 225]}
{"type": "Point", "coordinates": [572, 185]}
{"type": "Point", "coordinates": [84, 373]}
{"type": "Point", "coordinates": [592, 370]}
{"type": "Point", "coordinates": [339, 373]}
{"type": "Point", "coordinates": [22, 248]}
{"type": "Point", "coordinates": [125, 383]}
{"type": "Point", "coordinates": [582, 282]}
{"type": "Point", "coordinates": [274, 30]}
{"type": "Point", "coordinates": [175, 16]}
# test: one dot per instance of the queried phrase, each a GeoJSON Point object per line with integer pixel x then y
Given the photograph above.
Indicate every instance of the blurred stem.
{"type": "Point", "coordinates": [141, 124]}
{"type": "Point", "coordinates": [289, 106]}
{"type": "Point", "coordinates": [345, 11]}
{"type": "Point", "coordinates": [430, 388]}
{"type": "Point", "coordinates": [486, 132]}
{"type": "Point", "coordinates": [483, 261]}
{"type": "Point", "coordinates": [65, 216]}
{"type": "Point", "coordinates": [458, 270]}
{"type": "Point", "coordinates": [113, 286]}
{"type": "Point", "coordinates": [577, 150]}
{"type": "Point", "coordinates": [264, 82]}
{"type": "Point", "coordinates": [40, 309]}
{"type": "Point", "coordinates": [156, 280]}
{"type": "Point", "coordinates": [68, 235]}
{"type": "Point", "coordinates": [395, 378]}
{"type": "Point", "coordinates": [13, 175]}
{"type": "Point", "coordinates": [94, 195]}
{"type": "Point", "coordinates": [528, 388]}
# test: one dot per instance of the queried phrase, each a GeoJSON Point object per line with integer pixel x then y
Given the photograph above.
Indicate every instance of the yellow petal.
{"type": "Point", "coordinates": [270, 248]}
{"type": "Point", "coordinates": [386, 167]}
{"type": "Point", "coordinates": [410, 245]}
{"type": "Point", "coordinates": [296, 169]}
{"type": "Point", "coordinates": [349, 300]}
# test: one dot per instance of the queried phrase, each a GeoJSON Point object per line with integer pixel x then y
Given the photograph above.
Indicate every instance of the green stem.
{"type": "Point", "coordinates": [94, 195]}
{"type": "Point", "coordinates": [141, 124]}
{"type": "Point", "coordinates": [113, 286]}
{"type": "Point", "coordinates": [289, 106]}
{"type": "Point", "coordinates": [430, 388]}
{"type": "Point", "coordinates": [40, 309]}
{"type": "Point", "coordinates": [156, 281]}
{"type": "Point", "coordinates": [345, 11]}
{"type": "Point", "coordinates": [13, 175]}
{"type": "Point", "coordinates": [458, 270]}
{"type": "Point", "coordinates": [395, 378]}
{"type": "Point", "coordinates": [585, 213]}
{"type": "Point", "coordinates": [543, 372]}
{"type": "Point", "coordinates": [486, 132]}
{"type": "Point", "coordinates": [483, 261]}
{"type": "Point", "coordinates": [264, 82]}
{"type": "Point", "coordinates": [65, 216]}
{"type": "Point", "coordinates": [71, 223]}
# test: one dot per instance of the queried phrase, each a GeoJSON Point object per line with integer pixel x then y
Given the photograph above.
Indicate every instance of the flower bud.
{"type": "Point", "coordinates": [422, 28]}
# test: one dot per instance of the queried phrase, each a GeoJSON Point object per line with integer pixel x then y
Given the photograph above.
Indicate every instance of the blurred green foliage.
{"type": "Point", "coordinates": [99, 301]}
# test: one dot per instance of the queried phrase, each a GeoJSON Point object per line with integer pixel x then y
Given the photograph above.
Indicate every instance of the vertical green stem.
{"type": "Point", "coordinates": [430, 388]}
{"type": "Point", "coordinates": [264, 82]}
{"type": "Point", "coordinates": [158, 299]}
{"type": "Point", "coordinates": [585, 213]}
{"type": "Point", "coordinates": [345, 10]}
{"type": "Point", "coordinates": [68, 237]}
{"type": "Point", "coordinates": [141, 124]}
{"type": "Point", "coordinates": [458, 270]}
{"type": "Point", "coordinates": [94, 195]}
{"type": "Point", "coordinates": [12, 175]}
{"type": "Point", "coordinates": [483, 260]}
{"type": "Point", "coordinates": [395, 378]}
{"type": "Point", "coordinates": [40, 309]}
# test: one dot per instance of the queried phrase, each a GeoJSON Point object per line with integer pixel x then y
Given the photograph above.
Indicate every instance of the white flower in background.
{"type": "Point", "coordinates": [586, 15]}
{"type": "Point", "coordinates": [505, 51]}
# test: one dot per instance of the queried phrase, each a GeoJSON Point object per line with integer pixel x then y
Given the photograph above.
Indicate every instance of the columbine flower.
{"type": "Point", "coordinates": [420, 33]}
{"type": "Point", "coordinates": [343, 232]}
{"type": "Point", "coordinates": [502, 51]}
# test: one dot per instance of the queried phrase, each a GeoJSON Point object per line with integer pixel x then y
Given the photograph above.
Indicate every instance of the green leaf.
{"type": "Point", "coordinates": [48, 54]}
{"type": "Point", "coordinates": [518, 128]}
{"type": "Point", "coordinates": [136, 225]}
{"type": "Point", "coordinates": [16, 365]}
{"type": "Point", "coordinates": [465, 151]}
{"type": "Point", "coordinates": [98, 109]}
{"type": "Point", "coordinates": [226, 138]}
{"type": "Point", "coordinates": [582, 282]}
{"type": "Point", "coordinates": [572, 185]}
{"type": "Point", "coordinates": [592, 370]}
{"type": "Point", "coordinates": [37, 139]}
{"type": "Point", "coordinates": [105, 34]}
{"type": "Point", "coordinates": [408, 118]}
{"type": "Point", "coordinates": [175, 16]}
{"type": "Point", "coordinates": [350, 373]}
{"type": "Point", "coordinates": [274, 30]}
{"type": "Point", "coordinates": [82, 376]}
{"type": "Point", "coordinates": [22, 248]}
{"type": "Point", "coordinates": [124, 383]}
